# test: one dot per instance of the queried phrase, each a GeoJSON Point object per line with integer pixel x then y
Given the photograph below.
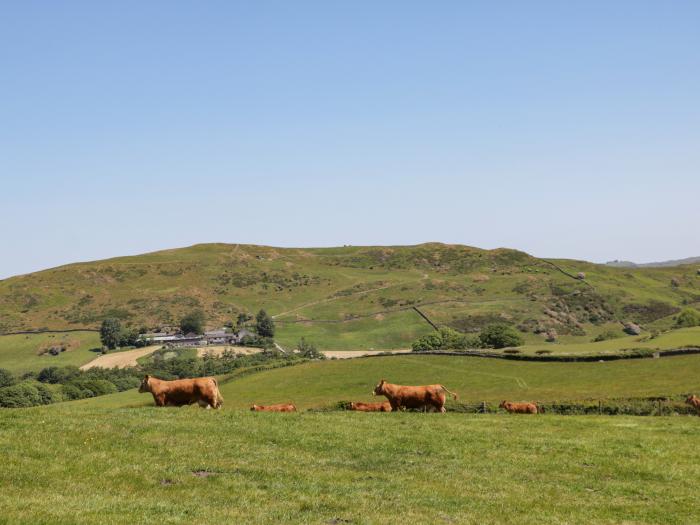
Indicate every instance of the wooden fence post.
{"type": "Point", "coordinates": [600, 407]}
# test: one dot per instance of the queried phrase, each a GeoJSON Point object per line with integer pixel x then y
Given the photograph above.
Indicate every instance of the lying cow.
{"type": "Point", "coordinates": [201, 390]}
{"type": "Point", "coordinates": [519, 408]}
{"type": "Point", "coordinates": [282, 407]}
{"type": "Point", "coordinates": [370, 407]}
{"type": "Point", "coordinates": [694, 401]}
{"type": "Point", "coordinates": [428, 397]}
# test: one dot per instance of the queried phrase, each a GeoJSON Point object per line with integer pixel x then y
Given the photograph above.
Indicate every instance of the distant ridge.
{"type": "Point", "coordinates": [662, 264]}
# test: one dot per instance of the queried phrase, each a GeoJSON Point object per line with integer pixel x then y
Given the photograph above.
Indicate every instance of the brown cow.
{"type": "Point", "coordinates": [694, 401]}
{"type": "Point", "coordinates": [370, 407]}
{"type": "Point", "coordinates": [421, 397]}
{"type": "Point", "coordinates": [201, 390]}
{"type": "Point", "coordinates": [519, 408]}
{"type": "Point", "coordinates": [282, 407]}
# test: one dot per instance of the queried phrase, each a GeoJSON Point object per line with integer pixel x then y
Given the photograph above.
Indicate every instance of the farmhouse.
{"type": "Point", "coordinates": [211, 337]}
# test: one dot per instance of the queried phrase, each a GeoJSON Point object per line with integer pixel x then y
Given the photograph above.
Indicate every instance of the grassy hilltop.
{"type": "Point", "coordinates": [351, 297]}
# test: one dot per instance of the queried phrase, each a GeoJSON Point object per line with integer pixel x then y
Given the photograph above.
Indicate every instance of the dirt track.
{"type": "Point", "coordinates": [120, 359]}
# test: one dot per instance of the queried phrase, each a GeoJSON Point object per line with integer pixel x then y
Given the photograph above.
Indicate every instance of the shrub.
{"type": "Point", "coordinates": [445, 339]}
{"type": "Point", "coordinates": [687, 318]}
{"type": "Point", "coordinates": [56, 374]}
{"type": "Point", "coordinates": [6, 378]}
{"type": "Point", "coordinates": [500, 336]}
{"type": "Point", "coordinates": [309, 350]}
{"type": "Point", "coordinates": [20, 395]}
{"type": "Point", "coordinates": [48, 395]}
{"type": "Point", "coordinates": [606, 336]}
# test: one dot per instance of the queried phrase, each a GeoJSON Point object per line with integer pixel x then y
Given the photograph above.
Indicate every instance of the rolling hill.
{"type": "Point", "coordinates": [351, 297]}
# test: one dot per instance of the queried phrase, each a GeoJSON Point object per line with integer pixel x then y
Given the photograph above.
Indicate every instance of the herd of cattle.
{"type": "Point", "coordinates": [205, 392]}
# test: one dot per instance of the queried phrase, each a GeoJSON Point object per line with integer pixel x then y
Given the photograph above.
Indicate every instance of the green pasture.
{"type": "Point", "coordinates": [77, 464]}
{"type": "Point", "coordinates": [20, 353]}
{"type": "Point", "coordinates": [323, 383]}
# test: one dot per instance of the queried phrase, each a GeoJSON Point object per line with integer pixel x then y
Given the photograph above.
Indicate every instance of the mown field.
{"type": "Point", "coordinates": [76, 464]}
{"type": "Point", "coordinates": [352, 297]}
{"type": "Point", "coordinates": [322, 384]}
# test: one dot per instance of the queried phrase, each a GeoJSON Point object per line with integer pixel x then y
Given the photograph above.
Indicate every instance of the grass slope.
{"type": "Point", "coordinates": [475, 379]}
{"type": "Point", "coordinates": [22, 353]}
{"type": "Point", "coordinates": [352, 297]}
{"type": "Point", "coordinates": [79, 465]}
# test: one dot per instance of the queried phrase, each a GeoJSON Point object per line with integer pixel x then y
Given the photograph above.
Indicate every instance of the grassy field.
{"type": "Point", "coordinates": [75, 464]}
{"type": "Point", "coordinates": [352, 297]}
{"type": "Point", "coordinates": [22, 353]}
{"type": "Point", "coordinates": [321, 384]}
{"type": "Point", "coordinates": [668, 340]}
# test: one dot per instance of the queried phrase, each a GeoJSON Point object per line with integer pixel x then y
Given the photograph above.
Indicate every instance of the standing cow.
{"type": "Point", "coordinates": [694, 401]}
{"type": "Point", "coordinates": [201, 390]}
{"type": "Point", "coordinates": [428, 397]}
{"type": "Point", "coordinates": [519, 408]}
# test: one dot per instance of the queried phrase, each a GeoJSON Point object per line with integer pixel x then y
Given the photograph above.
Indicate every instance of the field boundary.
{"type": "Point", "coordinates": [552, 358]}
{"type": "Point", "coordinates": [36, 332]}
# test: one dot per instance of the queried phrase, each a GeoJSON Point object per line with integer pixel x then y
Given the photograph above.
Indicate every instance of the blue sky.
{"type": "Point", "coordinates": [567, 129]}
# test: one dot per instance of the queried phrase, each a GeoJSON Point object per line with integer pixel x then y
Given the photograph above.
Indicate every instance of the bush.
{"type": "Point", "coordinates": [445, 339]}
{"type": "Point", "coordinates": [6, 378]}
{"type": "Point", "coordinates": [20, 395]}
{"type": "Point", "coordinates": [606, 336]}
{"type": "Point", "coordinates": [500, 336]}
{"type": "Point", "coordinates": [48, 395]}
{"type": "Point", "coordinates": [308, 350]}
{"type": "Point", "coordinates": [55, 374]}
{"type": "Point", "coordinates": [687, 318]}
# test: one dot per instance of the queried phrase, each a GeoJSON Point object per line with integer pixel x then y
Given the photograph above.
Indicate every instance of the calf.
{"type": "Point", "coordinates": [694, 401]}
{"type": "Point", "coordinates": [282, 407]}
{"type": "Point", "coordinates": [370, 407]}
{"type": "Point", "coordinates": [519, 408]}
{"type": "Point", "coordinates": [201, 390]}
{"type": "Point", "coordinates": [428, 397]}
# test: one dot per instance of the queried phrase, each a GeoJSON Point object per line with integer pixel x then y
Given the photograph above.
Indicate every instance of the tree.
{"type": "Point", "coordinates": [193, 322]}
{"type": "Point", "coordinates": [264, 324]}
{"type": "Point", "coordinates": [111, 333]}
{"type": "Point", "coordinates": [242, 319]}
{"type": "Point", "coordinates": [309, 350]}
{"type": "Point", "coordinates": [687, 318]}
{"type": "Point", "coordinates": [500, 336]}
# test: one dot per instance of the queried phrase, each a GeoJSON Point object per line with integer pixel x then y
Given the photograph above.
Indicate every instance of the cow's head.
{"type": "Point", "coordinates": [145, 386]}
{"type": "Point", "coordinates": [379, 389]}
{"type": "Point", "coordinates": [254, 408]}
{"type": "Point", "coordinates": [691, 398]}
{"type": "Point", "coordinates": [502, 405]}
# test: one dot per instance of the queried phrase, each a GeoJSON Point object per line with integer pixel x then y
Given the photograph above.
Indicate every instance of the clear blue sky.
{"type": "Point", "coordinates": [568, 129]}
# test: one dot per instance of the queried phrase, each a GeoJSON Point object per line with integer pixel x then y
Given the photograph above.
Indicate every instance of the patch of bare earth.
{"type": "Point", "coordinates": [120, 359]}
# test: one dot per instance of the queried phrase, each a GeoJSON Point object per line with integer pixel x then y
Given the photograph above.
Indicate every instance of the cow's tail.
{"type": "Point", "coordinates": [219, 397]}
{"type": "Point", "coordinates": [454, 396]}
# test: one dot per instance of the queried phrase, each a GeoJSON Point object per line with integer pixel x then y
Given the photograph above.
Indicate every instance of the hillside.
{"type": "Point", "coordinates": [350, 297]}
